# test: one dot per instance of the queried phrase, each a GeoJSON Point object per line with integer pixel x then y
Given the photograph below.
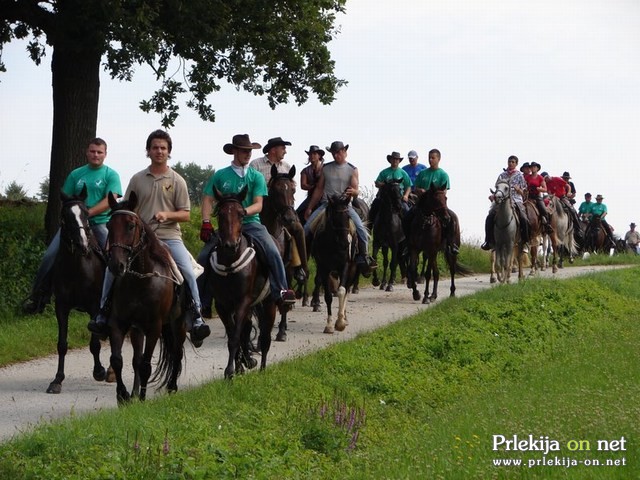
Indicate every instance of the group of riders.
{"type": "Point", "coordinates": [528, 184]}
{"type": "Point", "coordinates": [163, 200]}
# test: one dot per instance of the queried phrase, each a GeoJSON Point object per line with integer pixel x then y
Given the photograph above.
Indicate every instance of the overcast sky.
{"type": "Point", "coordinates": [552, 81]}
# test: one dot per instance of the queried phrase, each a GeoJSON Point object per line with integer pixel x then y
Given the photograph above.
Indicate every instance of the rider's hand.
{"type": "Point", "coordinates": [206, 231]}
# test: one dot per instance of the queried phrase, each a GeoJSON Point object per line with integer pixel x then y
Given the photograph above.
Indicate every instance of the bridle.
{"type": "Point", "coordinates": [70, 240]}
{"type": "Point", "coordinates": [132, 250]}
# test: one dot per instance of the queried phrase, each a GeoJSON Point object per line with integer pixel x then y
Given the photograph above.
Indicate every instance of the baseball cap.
{"type": "Point", "coordinates": [412, 154]}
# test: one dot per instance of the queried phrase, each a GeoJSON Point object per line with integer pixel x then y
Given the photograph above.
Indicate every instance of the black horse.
{"type": "Point", "coordinates": [333, 249]}
{"type": "Point", "coordinates": [78, 273]}
{"type": "Point", "coordinates": [388, 233]}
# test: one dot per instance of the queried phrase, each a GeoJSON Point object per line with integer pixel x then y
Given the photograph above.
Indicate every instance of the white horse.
{"type": "Point", "coordinates": [565, 243]}
{"type": "Point", "coordinates": [507, 235]}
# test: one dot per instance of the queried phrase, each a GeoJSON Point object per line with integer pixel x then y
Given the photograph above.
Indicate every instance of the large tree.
{"type": "Point", "coordinates": [276, 48]}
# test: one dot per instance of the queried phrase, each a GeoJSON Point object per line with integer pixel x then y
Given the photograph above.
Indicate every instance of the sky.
{"type": "Point", "coordinates": [551, 81]}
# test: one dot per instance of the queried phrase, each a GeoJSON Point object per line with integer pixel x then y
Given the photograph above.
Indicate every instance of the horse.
{"type": "Point", "coordinates": [279, 217]}
{"type": "Point", "coordinates": [333, 249]}
{"type": "Point", "coordinates": [595, 237]}
{"type": "Point", "coordinates": [507, 235]}
{"type": "Point", "coordinates": [388, 233]}
{"type": "Point", "coordinates": [562, 238]}
{"type": "Point", "coordinates": [536, 233]}
{"type": "Point", "coordinates": [144, 302]}
{"type": "Point", "coordinates": [78, 274]}
{"type": "Point", "coordinates": [240, 284]}
{"type": "Point", "coordinates": [426, 235]}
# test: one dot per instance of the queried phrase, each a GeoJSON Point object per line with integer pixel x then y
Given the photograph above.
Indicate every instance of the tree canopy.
{"type": "Point", "coordinates": [273, 48]}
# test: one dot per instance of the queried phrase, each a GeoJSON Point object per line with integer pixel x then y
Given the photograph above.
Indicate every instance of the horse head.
{"type": "Point", "coordinates": [127, 234]}
{"type": "Point", "coordinates": [74, 221]}
{"type": "Point", "coordinates": [230, 212]}
{"type": "Point", "coordinates": [338, 213]}
{"type": "Point", "coordinates": [432, 200]}
{"type": "Point", "coordinates": [282, 189]}
{"type": "Point", "coordinates": [391, 194]}
{"type": "Point", "coordinates": [502, 191]}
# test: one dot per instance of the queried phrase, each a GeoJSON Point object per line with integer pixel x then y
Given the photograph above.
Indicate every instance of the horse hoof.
{"type": "Point", "coordinates": [111, 375]}
{"type": "Point", "coordinates": [375, 282]}
{"type": "Point", "coordinates": [99, 374]}
{"type": "Point", "coordinates": [492, 280]}
{"type": "Point", "coordinates": [281, 337]}
{"type": "Point", "coordinates": [251, 363]}
{"type": "Point", "coordinates": [416, 295]}
{"type": "Point", "coordinates": [389, 288]}
{"type": "Point", "coordinates": [355, 290]}
{"type": "Point", "coordinates": [426, 301]}
{"type": "Point", "coordinates": [316, 308]}
{"type": "Point", "coordinates": [328, 329]}
{"type": "Point", "coordinates": [54, 388]}
{"type": "Point", "coordinates": [341, 325]}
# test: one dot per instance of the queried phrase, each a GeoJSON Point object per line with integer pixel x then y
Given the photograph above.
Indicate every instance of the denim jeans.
{"type": "Point", "coordinates": [363, 235]}
{"type": "Point", "coordinates": [277, 275]}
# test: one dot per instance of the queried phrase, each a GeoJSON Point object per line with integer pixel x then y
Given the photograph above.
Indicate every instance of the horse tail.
{"type": "Point", "coordinates": [463, 270]}
{"type": "Point", "coordinates": [169, 358]}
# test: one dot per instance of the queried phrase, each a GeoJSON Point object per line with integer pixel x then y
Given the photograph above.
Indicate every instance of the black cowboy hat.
{"type": "Point", "coordinates": [394, 156]}
{"type": "Point", "coordinates": [566, 175]}
{"type": "Point", "coordinates": [240, 141]}
{"type": "Point", "coordinates": [336, 146]}
{"type": "Point", "coordinates": [632, 225]}
{"type": "Point", "coordinates": [314, 149]}
{"type": "Point", "coordinates": [535, 164]}
{"type": "Point", "coordinates": [525, 165]}
{"type": "Point", "coordinates": [274, 142]}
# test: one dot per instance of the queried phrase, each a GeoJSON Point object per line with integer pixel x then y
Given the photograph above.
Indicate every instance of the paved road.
{"type": "Point", "coordinates": [23, 401]}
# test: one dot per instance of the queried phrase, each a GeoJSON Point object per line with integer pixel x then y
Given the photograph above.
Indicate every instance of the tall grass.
{"type": "Point", "coordinates": [422, 398]}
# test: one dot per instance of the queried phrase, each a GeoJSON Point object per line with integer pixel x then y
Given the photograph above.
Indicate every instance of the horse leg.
{"type": "Point", "coordinates": [392, 269]}
{"type": "Point", "coordinates": [355, 289]}
{"type": "Point", "coordinates": [266, 321]}
{"type": "Point", "coordinates": [145, 363]}
{"type": "Point", "coordinates": [427, 279]}
{"type": "Point", "coordinates": [281, 336]}
{"type": "Point", "coordinates": [137, 342]}
{"type": "Point", "coordinates": [412, 273]}
{"type": "Point", "coordinates": [375, 281]}
{"type": "Point", "coordinates": [116, 339]}
{"type": "Point", "coordinates": [436, 279]}
{"type": "Point", "coordinates": [315, 301]}
{"type": "Point", "coordinates": [385, 268]}
{"type": "Point", "coordinates": [246, 356]}
{"type": "Point", "coordinates": [62, 315]}
{"type": "Point", "coordinates": [328, 298]}
{"type": "Point", "coordinates": [173, 339]}
{"type": "Point", "coordinates": [341, 322]}
{"type": "Point", "coordinates": [452, 261]}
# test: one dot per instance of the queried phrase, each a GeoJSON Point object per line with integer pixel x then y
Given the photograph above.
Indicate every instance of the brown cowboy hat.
{"type": "Point", "coordinates": [314, 149]}
{"type": "Point", "coordinates": [337, 146]}
{"type": "Point", "coordinates": [240, 141]}
{"type": "Point", "coordinates": [394, 156]}
{"type": "Point", "coordinates": [599, 197]}
{"type": "Point", "coordinates": [274, 142]}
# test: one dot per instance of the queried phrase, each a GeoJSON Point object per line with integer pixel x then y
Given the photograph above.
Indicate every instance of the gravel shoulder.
{"type": "Point", "coordinates": [24, 403]}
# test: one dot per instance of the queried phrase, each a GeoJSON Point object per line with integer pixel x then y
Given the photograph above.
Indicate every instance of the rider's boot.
{"type": "Point", "coordinates": [488, 231]}
{"type": "Point", "coordinates": [364, 263]}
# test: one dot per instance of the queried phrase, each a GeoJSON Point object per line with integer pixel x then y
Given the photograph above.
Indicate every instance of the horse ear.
{"type": "Point", "coordinates": [113, 202]}
{"type": "Point", "coordinates": [243, 192]}
{"type": "Point", "coordinates": [274, 171]}
{"type": "Point", "coordinates": [83, 193]}
{"type": "Point", "coordinates": [132, 201]}
{"type": "Point", "coordinates": [292, 172]}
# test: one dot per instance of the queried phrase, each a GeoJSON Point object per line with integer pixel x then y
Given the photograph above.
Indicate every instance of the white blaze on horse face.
{"type": "Point", "coordinates": [77, 214]}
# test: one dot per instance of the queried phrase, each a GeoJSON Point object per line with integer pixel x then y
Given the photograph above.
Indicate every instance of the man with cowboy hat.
{"type": "Point", "coordinates": [309, 177]}
{"type": "Point", "coordinates": [231, 180]}
{"type": "Point", "coordinates": [341, 178]}
{"type": "Point", "coordinates": [389, 174]}
{"type": "Point", "coordinates": [274, 150]}
{"type": "Point", "coordinates": [632, 239]}
{"type": "Point", "coordinates": [599, 209]}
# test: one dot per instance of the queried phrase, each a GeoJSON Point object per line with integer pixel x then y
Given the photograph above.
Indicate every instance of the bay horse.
{"type": "Point", "coordinates": [426, 236]}
{"type": "Point", "coordinates": [562, 239]}
{"type": "Point", "coordinates": [595, 237]}
{"type": "Point", "coordinates": [78, 273]}
{"type": "Point", "coordinates": [536, 233]}
{"type": "Point", "coordinates": [507, 235]}
{"type": "Point", "coordinates": [144, 302]}
{"type": "Point", "coordinates": [240, 284]}
{"type": "Point", "coordinates": [388, 233]}
{"type": "Point", "coordinates": [333, 249]}
{"type": "Point", "coordinates": [278, 215]}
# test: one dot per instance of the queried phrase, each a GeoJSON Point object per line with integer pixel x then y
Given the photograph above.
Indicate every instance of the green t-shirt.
{"type": "Point", "coordinates": [585, 207]}
{"type": "Point", "coordinates": [227, 181]}
{"type": "Point", "coordinates": [99, 181]}
{"type": "Point", "coordinates": [598, 209]}
{"type": "Point", "coordinates": [391, 173]}
{"type": "Point", "coordinates": [437, 177]}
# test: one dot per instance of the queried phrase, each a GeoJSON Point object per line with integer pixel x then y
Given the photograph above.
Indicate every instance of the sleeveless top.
{"type": "Point", "coordinates": [337, 177]}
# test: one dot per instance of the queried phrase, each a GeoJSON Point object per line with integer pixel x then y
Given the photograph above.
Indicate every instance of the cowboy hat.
{"type": "Point", "coordinates": [535, 164]}
{"type": "Point", "coordinates": [274, 142]}
{"type": "Point", "coordinates": [336, 146]}
{"type": "Point", "coordinates": [599, 197]}
{"type": "Point", "coordinates": [566, 175]}
{"type": "Point", "coordinates": [394, 156]}
{"type": "Point", "coordinates": [525, 165]}
{"type": "Point", "coordinates": [587, 194]}
{"type": "Point", "coordinates": [240, 141]}
{"type": "Point", "coordinates": [315, 149]}
{"type": "Point", "coordinates": [632, 225]}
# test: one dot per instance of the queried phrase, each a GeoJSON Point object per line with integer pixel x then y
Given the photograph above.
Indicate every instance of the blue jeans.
{"type": "Point", "coordinates": [182, 258]}
{"type": "Point", "coordinates": [42, 283]}
{"type": "Point", "coordinates": [277, 275]}
{"type": "Point", "coordinates": [363, 235]}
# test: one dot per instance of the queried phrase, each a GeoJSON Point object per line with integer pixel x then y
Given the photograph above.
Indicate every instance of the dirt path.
{"type": "Point", "coordinates": [24, 403]}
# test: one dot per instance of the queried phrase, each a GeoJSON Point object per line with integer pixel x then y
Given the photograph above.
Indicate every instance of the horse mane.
{"type": "Point", "coordinates": [157, 249]}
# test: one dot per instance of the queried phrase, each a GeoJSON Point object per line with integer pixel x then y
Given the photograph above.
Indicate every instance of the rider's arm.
{"type": "Point", "coordinates": [255, 207]}
{"type": "Point", "coordinates": [352, 189]}
{"type": "Point", "coordinates": [99, 207]}
{"type": "Point", "coordinates": [305, 184]}
{"type": "Point", "coordinates": [316, 196]}
{"type": "Point", "coordinates": [543, 186]}
{"type": "Point", "coordinates": [207, 207]}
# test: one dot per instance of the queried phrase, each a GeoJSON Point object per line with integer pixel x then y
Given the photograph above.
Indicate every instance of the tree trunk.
{"type": "Point", "coordinates": [76, 87]}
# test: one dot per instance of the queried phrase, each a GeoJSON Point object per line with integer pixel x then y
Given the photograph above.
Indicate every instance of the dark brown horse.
{"type": "Point", "coordinates": [144, 302]}
{"type": "Point", "coordinates": [427, 236]}
{"type": "Point", "coordinates": [536, 233]}
{"type": "Point", "coordinates": [240, 283]}
{"type": "Point", "coordinates": [595, 237]}
{"type": "Point", "coordinates": [388, 234]}
{"type": "Point", "coordinates": [333, 249]}
{"type": "Point", "coordinates": [280, 218]}
{"type": "Point", "coordinates": [78, 273]}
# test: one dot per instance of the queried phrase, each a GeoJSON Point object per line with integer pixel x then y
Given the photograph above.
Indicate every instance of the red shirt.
{"type": "Point", "coordinates": [533, 183]}
{"type": "Point", "coordinates": [557, 186]}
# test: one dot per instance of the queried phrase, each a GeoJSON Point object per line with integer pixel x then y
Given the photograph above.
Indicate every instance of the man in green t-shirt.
{"type": "Point", "coordinates": [390, 174]}
{"type": "Point", "coordinates": [599, 209]}
{"type": "Point", "coordinates": [99, 180]}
